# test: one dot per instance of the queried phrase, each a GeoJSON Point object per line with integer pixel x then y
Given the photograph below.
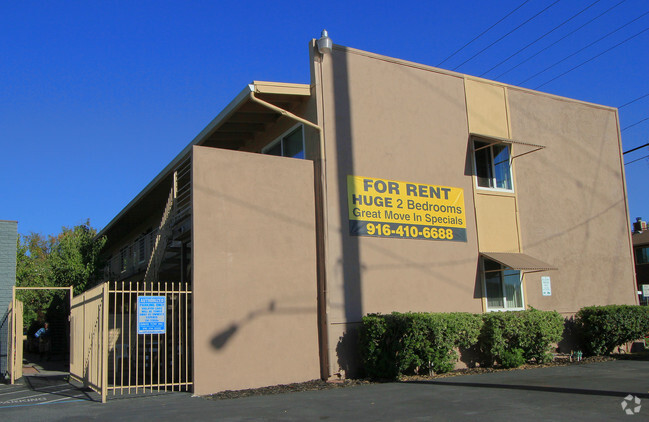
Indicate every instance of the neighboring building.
{"type": "Point", "coordinates": [416, 189]}
{"type": "Point", "coordinates": [8, 242]}
{"type": "Point", "coordinates": [641, 252]}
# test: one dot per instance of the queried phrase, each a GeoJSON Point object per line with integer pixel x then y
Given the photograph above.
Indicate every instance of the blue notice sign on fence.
{"type": "Point", "coordinates": [151, 314]}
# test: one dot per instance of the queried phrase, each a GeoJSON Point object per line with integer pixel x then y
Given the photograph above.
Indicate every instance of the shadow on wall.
{"type": "Point", "coordinates": [570, 340]}
{"type": "Point", "coordinates": [468, 162]}
{"type": "Point", "coordinates": [220, 340]}
{"type": "Point", "coordinates": [471, 357]}
{"type": "Point", "coordinates": [347, 350]}
{"type": "Point", "coordinates": [350, 259]}
{"type": "Point", "coordinates": [477, 290]}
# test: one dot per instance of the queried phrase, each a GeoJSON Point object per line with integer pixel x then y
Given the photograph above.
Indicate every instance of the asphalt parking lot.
{"type": "Point", "coordinates": [589, 392]}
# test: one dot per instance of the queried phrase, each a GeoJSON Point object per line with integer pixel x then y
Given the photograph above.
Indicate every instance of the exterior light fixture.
{"type": "Point", "coordinates": [324, 43]}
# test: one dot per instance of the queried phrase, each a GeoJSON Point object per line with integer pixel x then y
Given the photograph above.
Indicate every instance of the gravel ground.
{"type": "Point", "coordinates": [324, 385]}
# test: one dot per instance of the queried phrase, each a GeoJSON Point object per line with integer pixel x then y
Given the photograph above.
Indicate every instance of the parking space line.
{"type": "Point", "coordinates": [25, 388]}
{"type": "Point", "coordinates": [48, 392]}
{"type": "Point", "coordinates": [65, 398]}
{"type": "Point", "coordinates": [42, 403]}
{"type": "Point", "coordinates": [12, 392]}
{"type": "Point", "coordinates": [40, 399]}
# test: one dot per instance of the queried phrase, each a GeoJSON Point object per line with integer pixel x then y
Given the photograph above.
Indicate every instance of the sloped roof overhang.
{"type": "Point", "coordinates": [518, 261]}
{"type": "Point", "coordinates": [640, 238]}
{"type": "Point", "coordinates": [235, 126]}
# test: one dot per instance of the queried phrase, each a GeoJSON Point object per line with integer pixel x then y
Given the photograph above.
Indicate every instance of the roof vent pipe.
{"type": "Point", "coordinates": [324, 43]}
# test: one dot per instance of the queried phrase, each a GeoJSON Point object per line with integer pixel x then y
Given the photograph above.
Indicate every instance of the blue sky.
{"type": "Point", "coordinates": [97, 97]}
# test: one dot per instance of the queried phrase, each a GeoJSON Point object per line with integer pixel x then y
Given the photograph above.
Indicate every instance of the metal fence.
{"type": "Point", "coordinates": [117, 354]}
{"type": "Point", "coordinates": [88, 316]}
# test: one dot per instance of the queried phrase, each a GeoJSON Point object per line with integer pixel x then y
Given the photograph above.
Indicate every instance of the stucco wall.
{"type": "Point", "coordinates": [390, 121]}
{"type": "Point", "coordinates": [254, 309]}
{"type": "Point", "coordinates": [572, 202]}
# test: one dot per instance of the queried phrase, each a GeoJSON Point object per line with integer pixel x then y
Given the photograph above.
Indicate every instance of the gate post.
{"type": "Point", "coordinates": [104, 341]}
{"type": "Point", "coordinates": [10, 337]}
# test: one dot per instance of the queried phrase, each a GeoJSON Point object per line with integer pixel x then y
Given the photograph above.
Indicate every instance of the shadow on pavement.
{"type": "Point", "coordinates": [546, 389]}
{"type": "Point", "coordinates": [57, 385]}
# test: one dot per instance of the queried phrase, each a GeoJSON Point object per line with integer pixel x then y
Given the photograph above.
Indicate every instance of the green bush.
{"type": "Point", "coordinates": [407, 343]}
{"type": "Point", "coordinates": [602, 328]}
{"type": "Point", "coordinates": [532, 331]}
{"type": "Point", "coordinates": [512, 358]}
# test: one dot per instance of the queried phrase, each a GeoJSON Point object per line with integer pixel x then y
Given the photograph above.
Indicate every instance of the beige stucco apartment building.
{"type": "Point", "coordinates": [383, 185]}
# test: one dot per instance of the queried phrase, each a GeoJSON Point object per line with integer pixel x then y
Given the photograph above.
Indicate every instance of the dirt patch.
{"type": "Point", "coordinates": [475, 371]}
{"type": "Point", "coordinates": [285, 388]}
{"type": "Point", "coordinates": [324, 385]}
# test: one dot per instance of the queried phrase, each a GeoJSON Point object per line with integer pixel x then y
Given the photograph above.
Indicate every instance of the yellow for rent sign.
{"type": "Point", "coordinates": [389, 208]}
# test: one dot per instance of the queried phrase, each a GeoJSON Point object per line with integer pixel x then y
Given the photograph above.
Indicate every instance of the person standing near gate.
{"type": "Point", "coordinates": [44, 340]}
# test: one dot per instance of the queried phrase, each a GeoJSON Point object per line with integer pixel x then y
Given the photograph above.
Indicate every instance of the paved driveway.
{"type": "Point", "coordinates": [591, 392]}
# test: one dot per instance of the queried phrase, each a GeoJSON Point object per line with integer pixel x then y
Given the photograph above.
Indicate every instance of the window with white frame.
{"type": "Point", "coordinates": [493, 165]}
{"type": "Point", "coordinates": [503, 287]}
{"type": "Point", "coordinates": [291, 144]}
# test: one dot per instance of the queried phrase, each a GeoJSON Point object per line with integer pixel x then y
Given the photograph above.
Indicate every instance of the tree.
{"type": "Point", "coordinates": [33, 270]}
{"type": "Point", "coordinates": [32, 261]}
{"type": "Point", "coordinates": [70, 258]}
{"type": "Point", "coordinates": [74, 258]}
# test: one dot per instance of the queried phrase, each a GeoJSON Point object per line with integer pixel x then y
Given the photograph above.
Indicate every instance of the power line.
{"type": "Point", "coordinates": [483, 32]}
{"type": "Point", "coordinates": [507, 34]}
{"type": "Point", "coordinates": [583, 48]}
{"type": "Point", "coordinates": [593, 58]}
{"type": "Point", "coordinates": [638, 122]}
{"type": "Point", "coordinates": [637, 159]}
{"type": "Point", "coordinates": [543, 36]}
{"type": "Point", "coordinates": [633, 101]}
{"type": "Point", "coordinates": [635, 149]}
{"type": "Point", "coordinates": [561, 39]}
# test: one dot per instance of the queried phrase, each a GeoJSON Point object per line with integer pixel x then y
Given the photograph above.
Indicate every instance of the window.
{"type": "Point", "coordinates": [139, 250]}
{"type": "Point", "coordinates": [289, 145]}
{"type": "Point", "coordinates": [642, 255]}
{"type": "Point", "coordinates": [503, 287]}
{"type": "Point", "coordinates": [108, 268]}
{"type": "Point", "coordinates": [492, 165]}
{"type": "Point", "coordinates": [124, 258]}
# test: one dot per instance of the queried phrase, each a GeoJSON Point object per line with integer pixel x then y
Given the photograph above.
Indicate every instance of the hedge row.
{"type": "Point", "coordinates": [407, 343]}
{"type": "Point", "coordinates": [603, 328]}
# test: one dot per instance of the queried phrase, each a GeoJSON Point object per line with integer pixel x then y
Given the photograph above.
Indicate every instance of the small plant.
{"type": "Point", "coordinates": [512, 358]}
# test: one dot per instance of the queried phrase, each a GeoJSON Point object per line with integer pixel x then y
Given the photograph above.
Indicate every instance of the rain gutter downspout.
{"type": "Point", "coordinates": [286, 113]}
{"type": "Point", "coordinates": [320, 235]}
